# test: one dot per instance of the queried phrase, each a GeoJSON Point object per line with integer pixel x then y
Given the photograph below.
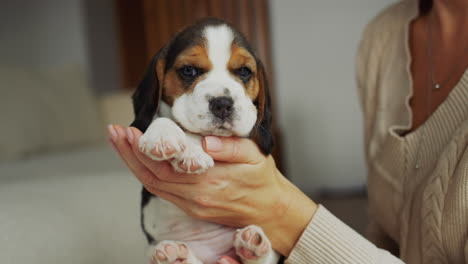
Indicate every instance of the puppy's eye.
{"type": "Point", "coordinates": [189, 72]}
{"type": "Point", "coordinates": [244, 73]}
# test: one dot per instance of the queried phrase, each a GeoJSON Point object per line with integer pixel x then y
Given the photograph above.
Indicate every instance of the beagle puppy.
{"type": "Point", "coordinates": [205, 81]}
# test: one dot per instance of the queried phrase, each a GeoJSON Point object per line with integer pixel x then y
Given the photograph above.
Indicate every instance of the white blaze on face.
{"type": "Point", "coordinates": [191, 110]}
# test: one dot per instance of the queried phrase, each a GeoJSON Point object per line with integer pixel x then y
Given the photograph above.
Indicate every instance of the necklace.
{"type": "Point", "coordinates": [432, 84]}
{"type": "Point", "coordinates": [442, 83]}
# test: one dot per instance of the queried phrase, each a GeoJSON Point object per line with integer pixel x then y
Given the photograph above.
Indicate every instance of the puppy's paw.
{"type": "Point", "coordinates": [168, 252]}
{"type": "Point", "coordinates": [192, 160]}
{"type": "Point", "coordinates": [252, 245]}
{"type": "Point", "coordinates": [162, 140]}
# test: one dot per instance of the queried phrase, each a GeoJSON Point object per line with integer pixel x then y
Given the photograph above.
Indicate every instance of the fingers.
{"type": "Point", "coordinates": [192, 208]}
{"type": "Point", "coordinates": [126, 153]}
{"type": "Point", "coordinates": [233, 150]}
{"type": "Point", "coordinates": [227, 260]}
{"type": "Point", "coordinates": [161, 169]}
{"type": "Point", "coordinates": [125, 143]}
{"type": "Point", "coordinates": [177, 200]}
{"type": "Point", "coordinates": [182, 190]}
{"type": "Point", "coordinates": [134, 135]}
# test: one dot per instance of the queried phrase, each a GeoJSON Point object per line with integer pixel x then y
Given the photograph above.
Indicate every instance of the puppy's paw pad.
{"type": "Point", "coordinates": [164, 150]}
{"type": "Point", "coordinates": [169, 252]}
{"type": "Point", "coordinates": [251, 243]}
{"type": "Point", "coordinates": [193, 161]}
{"type": "Point", "coordinates": [162, 144]}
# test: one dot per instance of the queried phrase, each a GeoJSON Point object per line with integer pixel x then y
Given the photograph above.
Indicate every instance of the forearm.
{"type": "Point", "coordinates": [307, 233]}
{"type": "Point", "coordinates": [298, 210]}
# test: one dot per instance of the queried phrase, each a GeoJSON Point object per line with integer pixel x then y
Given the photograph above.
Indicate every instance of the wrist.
{"type": "Point", "coordinates": [288, 228]}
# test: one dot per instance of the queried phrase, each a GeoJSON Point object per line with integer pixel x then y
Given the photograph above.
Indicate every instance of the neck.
{"type": "Point", "coordinates": [451, 16]}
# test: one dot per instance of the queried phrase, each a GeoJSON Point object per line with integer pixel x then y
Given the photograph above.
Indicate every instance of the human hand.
{"type": "Point", "coordinates": [244, 187]}
{"type": "Point", "coordinates": [227, 260]}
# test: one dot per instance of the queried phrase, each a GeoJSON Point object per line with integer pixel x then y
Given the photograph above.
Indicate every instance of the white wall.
{"type": "Point", "coordinates": [314, 47]}
{"type": "Point", "coordinates": [103, 45]}
{"type": "Point", "coordinates": [52, 34]}
{"type": "Point", "coordinates": [43, 34]}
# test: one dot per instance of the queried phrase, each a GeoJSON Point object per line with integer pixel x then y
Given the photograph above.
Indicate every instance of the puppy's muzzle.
{"type": "Point", "coordinates": [222, 107]}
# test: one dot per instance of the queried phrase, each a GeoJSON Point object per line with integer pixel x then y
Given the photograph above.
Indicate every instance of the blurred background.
{"type": "Point", "coordinates": [68, 68]}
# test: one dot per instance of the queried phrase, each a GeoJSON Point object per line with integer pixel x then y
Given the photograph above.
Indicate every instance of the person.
{"type": "Point", "coordinates": [413, 86]}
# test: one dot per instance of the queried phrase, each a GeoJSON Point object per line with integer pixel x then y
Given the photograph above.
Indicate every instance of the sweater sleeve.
{"type": "Point", "coordinates": [328, 240]}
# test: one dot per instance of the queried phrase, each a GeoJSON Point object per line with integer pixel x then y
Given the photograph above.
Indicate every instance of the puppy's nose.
{"type": "Point", "coordinates": [222, 106]}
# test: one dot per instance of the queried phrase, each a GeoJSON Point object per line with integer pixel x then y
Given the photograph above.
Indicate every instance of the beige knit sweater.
{"type": "Point", "coordinates": [424, 210]}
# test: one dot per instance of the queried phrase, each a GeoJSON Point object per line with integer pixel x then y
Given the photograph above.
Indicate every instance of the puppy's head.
{"type": "Point", "coordinates": [208, 80]}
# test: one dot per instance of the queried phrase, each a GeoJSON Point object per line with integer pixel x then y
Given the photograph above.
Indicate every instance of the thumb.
{"type": "Point", "coordinates": [232, 149]}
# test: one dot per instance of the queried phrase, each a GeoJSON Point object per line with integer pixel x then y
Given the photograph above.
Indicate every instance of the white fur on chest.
{"type": "Point", "coordinates": [164, 221]}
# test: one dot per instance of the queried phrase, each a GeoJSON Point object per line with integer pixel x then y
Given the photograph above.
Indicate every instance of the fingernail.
{"type": "Point", "coordinates": [129, 135]}
{"type": "Point", "coordinates": [113, 134]}
{"type": "Point", "coordinates": [223, 261]}
{"type": "Point", "coordinates": [213, 143]}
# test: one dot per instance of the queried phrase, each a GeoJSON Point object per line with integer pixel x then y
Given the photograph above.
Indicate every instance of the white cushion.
{"type": "Point", "coordinates": [46, 110]}
{"type": "Point", "coordinates": [82, 218]}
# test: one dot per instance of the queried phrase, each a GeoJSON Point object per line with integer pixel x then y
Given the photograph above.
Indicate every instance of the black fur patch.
{"type": "Point", "coordinates": [263, 130]}
{"type": "Point", "coordinates": [146, 96]}
{"type": "Point", "coordinates": [145, 198]}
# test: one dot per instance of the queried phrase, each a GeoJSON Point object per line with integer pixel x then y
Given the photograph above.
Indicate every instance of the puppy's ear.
{"type": "Point", "coordinates": [262, 133]}
{"type": "Point", "coordinates": [148, 93]}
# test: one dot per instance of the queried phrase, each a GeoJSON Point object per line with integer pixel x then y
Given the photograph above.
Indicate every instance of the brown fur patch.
{"type": "Point", "coordinates": [255, 88]}
{"type": "Point", "coordinates": [160, 74]}
{"type": "Point", "coordinates": [196, 56]}
{"type": "Point", "coordinates": [241, 57]}
{"type": "Point", "coordinates": [174, 87]}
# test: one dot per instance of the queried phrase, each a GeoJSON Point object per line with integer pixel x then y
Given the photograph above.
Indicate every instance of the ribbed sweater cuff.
{"type": "Point", "coordinates": [328, 240]}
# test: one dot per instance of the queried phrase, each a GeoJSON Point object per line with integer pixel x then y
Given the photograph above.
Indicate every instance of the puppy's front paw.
{"type": "Point", "coordinates": [162, 140]}
{"type": "Point", "coordinates": [168, 252]}
{"type": "Point", "coordinates": [192, 160]}
{"type": "Point", "coordinates": [252, 245]}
